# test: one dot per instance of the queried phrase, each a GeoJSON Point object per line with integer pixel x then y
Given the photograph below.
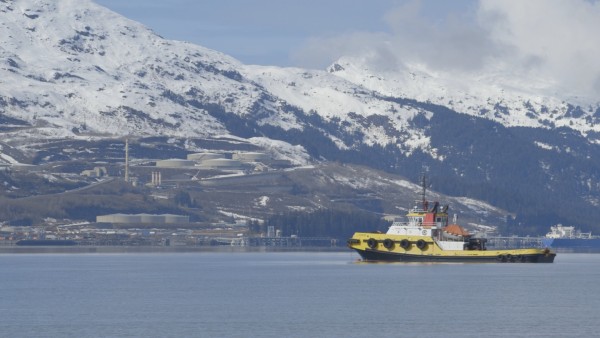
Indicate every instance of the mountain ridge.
{"type": "Point", "coordinates": [103, 76]}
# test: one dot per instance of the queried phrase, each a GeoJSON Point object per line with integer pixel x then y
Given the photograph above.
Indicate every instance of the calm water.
{"type": "Point", "coordinates": [292, 295]}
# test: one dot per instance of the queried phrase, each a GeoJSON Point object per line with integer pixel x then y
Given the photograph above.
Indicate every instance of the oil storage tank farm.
{"type": "Point", "coordinates": [176, 219]}
{"type": "Point", "coordinates": [119, 218]}
{"type": "Point", "coordinates": [175, 163]}
{"type": "Point", "coordinates": [143, 219]}
{"type": "Point", "coordinates": [152, 219]}
{"type": "Point", "coordinates": [252, 157]}
{"type": "Point", "coordinates": [199, 157]}
{"type": "Point", "coordinates": [222, 163]}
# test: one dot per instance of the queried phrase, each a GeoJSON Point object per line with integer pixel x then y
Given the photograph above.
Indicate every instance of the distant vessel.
{"type": "Point", "coordinates": [427, 237]}
{"type": "Point", "coordinates": [567, 237]}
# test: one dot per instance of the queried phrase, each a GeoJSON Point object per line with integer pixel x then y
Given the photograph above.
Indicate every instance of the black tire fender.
{"type": "Point", "coordinates": [372, 243]}
{"type": "Point", "coordinates": [405, 244]}
{"type": "Point", "coordinates": [388, 244]}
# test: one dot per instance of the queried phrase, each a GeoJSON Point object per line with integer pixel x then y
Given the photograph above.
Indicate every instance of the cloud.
{"type": "Point", "coordinates": [556, 39]}
{"type": "Point", "coordinates": [555, 42]}
{"type": "Point", "coordinates": [319, 52]}
{"type": "Point", "coordinates": [452, 41]}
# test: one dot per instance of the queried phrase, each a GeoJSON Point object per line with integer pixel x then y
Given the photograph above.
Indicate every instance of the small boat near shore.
{"type": "Point", "coordinates": [426, 236]}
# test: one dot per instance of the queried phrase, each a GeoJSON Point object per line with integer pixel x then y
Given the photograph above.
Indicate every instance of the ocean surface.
{"type": "Point", "coordinates": [292, 294]}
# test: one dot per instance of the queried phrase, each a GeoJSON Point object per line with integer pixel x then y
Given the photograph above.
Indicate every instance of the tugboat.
{"type": "Point", "coordinates": [426, 236]}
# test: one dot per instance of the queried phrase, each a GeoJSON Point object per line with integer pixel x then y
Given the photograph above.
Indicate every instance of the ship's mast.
{"type": "Point", "coordinates": [423, 192]}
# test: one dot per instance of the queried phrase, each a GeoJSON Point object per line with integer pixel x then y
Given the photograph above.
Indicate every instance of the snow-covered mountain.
{"type": "Point", "coordinates": [73, 63]}
{"type": "Point", "coordinates": [73, 69]}
{"type": "Point", "coordinates": [77, 65]}
{"type": "Point", "coordinates": [509, 99]}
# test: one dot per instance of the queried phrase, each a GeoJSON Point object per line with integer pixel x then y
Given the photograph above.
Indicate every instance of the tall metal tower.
{"type": "Point", "coordinates": [126, 160]}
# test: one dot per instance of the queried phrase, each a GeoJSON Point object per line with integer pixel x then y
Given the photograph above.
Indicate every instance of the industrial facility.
{"type": "Point", "coordinates": [218, 161]}
{"type": "Point", "coordinates": [252, 157]}
{"type": "Point", "coordinates": [222, 164]}
{"type": "Point", "coordinates": [143, 219]}
{"type": "Point", "coordinates": [175, 163]}
{"type": "Point", "coordinates": [199, 157]}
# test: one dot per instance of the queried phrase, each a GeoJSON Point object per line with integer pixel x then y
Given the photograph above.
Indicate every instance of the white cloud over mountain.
{"type": "Point", "coordinates": [555, 43]}
{"type": "Point", "coordinates": [557, 39]}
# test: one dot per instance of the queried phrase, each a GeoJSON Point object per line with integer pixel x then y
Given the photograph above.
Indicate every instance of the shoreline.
{"type": "Point", "coordinates": [6, 248]}
{"type": "Point", "coordinates": [14, 249]}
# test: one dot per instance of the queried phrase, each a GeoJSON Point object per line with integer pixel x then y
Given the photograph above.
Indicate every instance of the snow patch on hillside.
{"type": "Point", "coordinates": [4, 158]}
{"type": "Point", "coordinates": [280, 150]}
{"type": "Point", "coordinates": [262, 201]}
{"type": "Point", "coordinates": [544, 145]}
{"type": "Point", "coordinates": [475, 205]}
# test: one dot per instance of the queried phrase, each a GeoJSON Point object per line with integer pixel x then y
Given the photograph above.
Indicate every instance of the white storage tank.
{"type": "Point", "coordinates": [199, 157]}
{"type": "Point", "coordinates": [176, 219]}
{"type": "Point", "coordinates": [118, 218]}
{"type": "Point", "coordinates": [221, 163]}
{"type": "Point", "coordinates": [152, 219]}
{"type": "Point", "coordinates": [175, 163]}
{"type": "Point", "coordinates": [251, 157]}
{"type": "Point", "coordinates": [105, 218]}
{"type": "Point", "coordinates": [122, 218]}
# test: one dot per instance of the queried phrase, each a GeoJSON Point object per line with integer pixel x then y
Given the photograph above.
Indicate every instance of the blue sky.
{"type": "Point", "coordinates": [268, 32]}
{"type": "Point", "coordinates": [556, 41]}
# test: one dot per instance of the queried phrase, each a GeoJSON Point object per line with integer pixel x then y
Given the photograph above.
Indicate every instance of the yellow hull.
{"type": "Point", "coordinates": [384, 247]}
